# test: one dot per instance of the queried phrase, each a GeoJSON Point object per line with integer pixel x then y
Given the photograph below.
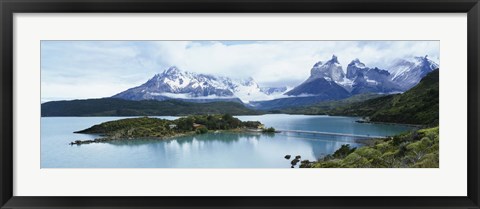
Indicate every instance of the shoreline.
{"type": "Point", "coordinates": [357, 121]}
{"type": "Point", "coordinates": [106, 139]}
{"type": "Point", "coordinates": [390, 123]}
{"type": "Point", "coordinates": [191, 133]}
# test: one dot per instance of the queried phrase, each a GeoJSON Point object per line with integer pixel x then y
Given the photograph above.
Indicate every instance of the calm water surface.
{"type": "Point", "coordinates": [212, 150]}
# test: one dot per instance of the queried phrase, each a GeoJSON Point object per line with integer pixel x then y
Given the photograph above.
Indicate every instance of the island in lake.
{"type": "Point", "coordinates": [155, 128]}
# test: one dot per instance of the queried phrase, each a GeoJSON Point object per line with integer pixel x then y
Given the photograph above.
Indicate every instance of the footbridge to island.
{"type": "Point", "coordinates": [327, 133]}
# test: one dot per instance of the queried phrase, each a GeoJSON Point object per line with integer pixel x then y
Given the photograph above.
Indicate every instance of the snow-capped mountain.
{"type": "Point", "coordinates": [174, 83]}
{"type": "Point", "coordinates": [366, 80]}
{"type": "Point", "coordinates": [274, 90]}
{"type": "Point", "coordinates": [324, 80]}
{"type": "Point", "coordinates": [330, 77]}
{"type": "Point", "coordinates": [407, 73]}
{"type": "Point", "coordinates": [360, 78]}
{"type": "Point", "coordinates": [248, 90]}
{"type": "Point", "coordinates": [330, 70]}
{"type": "Point", "coordinates": [354, 68]}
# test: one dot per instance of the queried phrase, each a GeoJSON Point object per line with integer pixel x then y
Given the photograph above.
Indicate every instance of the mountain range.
{"type": "Point", "coordinates": [174, 83]}
{"type": "Point", "coordinates": [403, 75]}
{"type": "Point", "coordinates": [327, 82]}
{"type": "Point", "coordinates": [418, 105]}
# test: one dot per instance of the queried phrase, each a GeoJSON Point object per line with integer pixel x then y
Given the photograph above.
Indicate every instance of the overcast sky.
{"type": "Point", "coordinates": [94, 69]}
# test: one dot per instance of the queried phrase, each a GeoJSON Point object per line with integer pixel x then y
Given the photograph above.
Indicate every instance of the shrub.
{"type": "Point", "coordinates": [269, 130]}
{"type": "Point", "coordinates": [201, 130]}
{"type": "Point", "coordinates": [343, 151]}
{"type": "Point", "coordinates": [417, 149]}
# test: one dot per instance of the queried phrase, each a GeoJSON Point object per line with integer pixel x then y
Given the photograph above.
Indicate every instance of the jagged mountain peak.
{"type": "Point", "coordinates": [334, 59]}
{"type": "Point", "coordinates": [357, 63]}
{"type": "Point", "coordinates": [354, 68]}
{"type": "Point", "coordinates": [365, 79]}
{"type": "Point", "coordinates": [428, 62]}
{"type": "Point", "coordinates": [422, 57]}
{"type": "Point", "coordinates": [174, 83]}
{"type": "Point", "coordinates": [319, 63]}
{"type": "Point", "coordinates": [172, 70]}
{"type": "Point", "coordinates": [330, 70]}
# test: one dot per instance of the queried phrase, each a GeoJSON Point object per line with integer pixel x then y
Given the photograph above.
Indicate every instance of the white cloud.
{"type": "Point", "coordinates": [87, 69]}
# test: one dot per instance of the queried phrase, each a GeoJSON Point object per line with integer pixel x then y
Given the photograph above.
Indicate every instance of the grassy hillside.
{"type": "Point", "coordinates": [417, 149]}
{"type": "Point", "coordinates": [120, 107]}
{"type": "Point", "coordinates": [419, 105]}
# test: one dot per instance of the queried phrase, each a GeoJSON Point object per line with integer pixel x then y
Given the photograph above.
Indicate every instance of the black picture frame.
{"type": "Point", "coordinates": [9, 7]}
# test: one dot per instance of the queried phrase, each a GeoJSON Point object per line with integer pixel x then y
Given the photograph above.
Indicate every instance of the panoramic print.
{"type": "Point", "coordinates": [240, 104]}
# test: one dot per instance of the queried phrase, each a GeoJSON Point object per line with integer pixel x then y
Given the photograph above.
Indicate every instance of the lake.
{"type": "Point", "coordinates": [211, 150]}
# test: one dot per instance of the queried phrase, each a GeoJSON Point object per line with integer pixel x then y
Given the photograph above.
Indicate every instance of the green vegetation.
{"type": "Point", "coordinates": [268, 130]}
{"type": "Point", "coordinates": [146, 127]}
{"type": "Point", "coordinates": [343, 151]}
{"type": "Point", "coordinates": [134, 127]}
{"type": "Point", "coordinates": [419, 105]}
{"type": "Point", "coordinates": [324, 108]}
{"type": "Point", "coordinates": [201, 130]}
{"type": "Point", "coordinates": [416, 149]}
{"type": "Point", "coordinates": [366, 108]}
{"type": "Point", "coordinates": [120, 107]}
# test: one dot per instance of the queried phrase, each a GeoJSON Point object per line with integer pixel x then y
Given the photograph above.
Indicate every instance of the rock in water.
{"type": "Point", "coordinates": [287, 157]}
{"type": "Point", "coordinates": [295, 161]}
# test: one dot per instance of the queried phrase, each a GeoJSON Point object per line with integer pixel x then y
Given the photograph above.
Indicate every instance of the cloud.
{"type": "Point", "coordinates": [87, 69]}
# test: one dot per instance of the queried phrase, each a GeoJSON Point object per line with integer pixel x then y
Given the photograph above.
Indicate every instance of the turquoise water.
{"type": "Point", "coordinates": [212, 150]}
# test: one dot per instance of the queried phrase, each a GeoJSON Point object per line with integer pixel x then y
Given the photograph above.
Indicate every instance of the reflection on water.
{"type": "Point", "coordinates": [211, 150]}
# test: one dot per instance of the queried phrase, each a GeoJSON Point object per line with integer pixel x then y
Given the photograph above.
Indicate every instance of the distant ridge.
{"type": "Point", "coordinates": [121, 107]}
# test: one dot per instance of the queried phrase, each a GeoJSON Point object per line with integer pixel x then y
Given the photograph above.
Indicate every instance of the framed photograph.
{"type": "Point", "coordinates": [239, 104]}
